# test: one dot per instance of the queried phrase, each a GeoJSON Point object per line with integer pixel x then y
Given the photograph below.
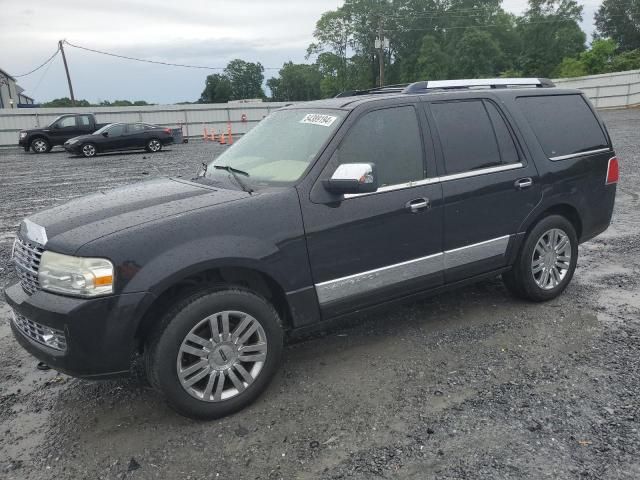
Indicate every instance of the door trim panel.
{"type": "Point", "coordinates": [359, 283]}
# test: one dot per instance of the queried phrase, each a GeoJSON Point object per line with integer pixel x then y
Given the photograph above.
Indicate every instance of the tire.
{"type": "Point", "coordinates": [88, 150]}
{"type": "Point", "coordinates": [546, 263]}
{"type": "Point", "coordinates": [153, 145]}
{"type": "Point", "coordinates": [40, 145]}
{"type": "Point", "coordinates": [187, 371]}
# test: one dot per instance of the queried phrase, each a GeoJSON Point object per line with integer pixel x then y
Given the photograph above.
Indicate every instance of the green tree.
{"type": "Point", "coordinates": [65, 102]}
{"type": "Point", "coordinates": [571, 67]}
{"type": "Point", "coordinates": [599, 57]}
{"type": "Point", "coordinates": [629, 60]}
{"type": "Point", "coordinates": [477, 55]}
{"type": "Point", "coordinates": [246, 79]}
{"type": "Point", "coordinates": [549, 32]}
{"type": "Point", "coordinates": [217, 89]}
{"type": "Point", "coordinates": [432, 62]}
{"type": "Point", "coordinates": [296, 83]}
{"type": "Point", "coordinates": [620, 20]}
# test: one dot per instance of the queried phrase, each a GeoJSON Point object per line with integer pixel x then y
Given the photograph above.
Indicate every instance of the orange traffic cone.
{"type": "Point", "coordinates": [205, 135]}
{"type": "Point", "coordinates": [229, 135]}
{"type": "Point", "coordinates": [222, 139]}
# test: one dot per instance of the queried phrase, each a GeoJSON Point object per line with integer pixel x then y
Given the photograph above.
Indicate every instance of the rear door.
{"type": "Point", "coordinates": [489, 185]}
{"type": "Point", "coordinates": [135, 136]}
{"type": "Point", "coordinates": [85, 124]}
{"type": "Point", "coordinates": [365, 249]}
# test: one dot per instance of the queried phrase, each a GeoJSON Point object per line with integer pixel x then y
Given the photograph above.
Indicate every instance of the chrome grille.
{"type": "Point", "coordinates": [42, 334]}
{"type": "Point", "coordinates": [26, 257]}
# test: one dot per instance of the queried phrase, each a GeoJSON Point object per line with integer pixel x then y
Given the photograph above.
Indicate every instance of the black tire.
{"type": "Point", "coordinates": [163, 351]}
{"type": "Point", "coordinates": [520, 280]}
{"type": "Point", "coordinates": [88, 150]}
{"type": "Point", "coordinates": [40, 145]}
{"type": "Point", "coordinates": [153, 145]}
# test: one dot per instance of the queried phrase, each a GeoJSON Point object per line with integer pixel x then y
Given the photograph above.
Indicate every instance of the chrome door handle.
{"type": "Point", "coordinates": [414, 206]}
{"type": "Point", "coordinates": [523, 183]}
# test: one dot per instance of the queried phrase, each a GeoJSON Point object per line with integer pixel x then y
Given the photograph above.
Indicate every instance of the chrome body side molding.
{"type": "Point", "coordinates": [358, 283]}
{"type": "Point", "coordinates": [579, 154]}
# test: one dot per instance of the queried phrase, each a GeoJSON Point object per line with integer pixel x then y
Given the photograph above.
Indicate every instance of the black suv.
{"type": "Point", "coordinates": [323, 209]}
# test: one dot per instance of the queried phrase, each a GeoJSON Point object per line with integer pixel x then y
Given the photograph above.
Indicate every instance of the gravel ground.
{"type": "Point", "coordinates": [470, 384]}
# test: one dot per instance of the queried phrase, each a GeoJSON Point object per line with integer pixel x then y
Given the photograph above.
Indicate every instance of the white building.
{"type": "Point", "coordinates": [11, 94]}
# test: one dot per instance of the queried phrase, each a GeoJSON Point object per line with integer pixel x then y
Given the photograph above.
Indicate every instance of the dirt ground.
{"type": "Point", "coordinates": [469, 384]}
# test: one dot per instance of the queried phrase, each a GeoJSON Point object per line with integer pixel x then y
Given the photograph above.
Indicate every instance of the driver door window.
{"type": "Point", "coordinates": [390, 138]}
{"type": "Point", "coordinates": [116, 131]}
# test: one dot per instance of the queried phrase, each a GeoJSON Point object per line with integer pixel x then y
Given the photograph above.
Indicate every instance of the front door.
{"type": "Point", "coordinates": [365, 249]}
{"type": "Point", "coordinates": [63, 130]}
{"type": "Point", "coordinates": [489, 186]}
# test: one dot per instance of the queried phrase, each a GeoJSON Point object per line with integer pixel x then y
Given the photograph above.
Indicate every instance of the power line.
{"type": "Point", "coordinates": [38, 68]}
{"type": "Point", "coordinates": [44, 74]}
{"type": "Point", "coordinates": [202, 67]}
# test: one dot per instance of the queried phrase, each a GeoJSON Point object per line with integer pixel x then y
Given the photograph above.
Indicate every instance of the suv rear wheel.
{"type": "Point", "coordinates": [215, 352]}
{"type": "Point", "coordinates": [547, 261]}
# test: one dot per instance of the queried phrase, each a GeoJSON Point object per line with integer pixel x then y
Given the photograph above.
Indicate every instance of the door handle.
{"type": "Point", "coordinates": [523, 183]}
{"type": "Point", "coordinates": [414, 206]}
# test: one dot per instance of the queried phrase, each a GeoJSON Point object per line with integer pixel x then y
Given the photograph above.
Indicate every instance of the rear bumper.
{"type": "Point", "coordinates": [99, 333]}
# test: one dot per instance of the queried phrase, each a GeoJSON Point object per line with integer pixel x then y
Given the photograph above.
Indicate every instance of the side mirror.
{"type": "Point", "coordinates": [105, 134]}
{"type": "Point", "coordinates": [353, 178]}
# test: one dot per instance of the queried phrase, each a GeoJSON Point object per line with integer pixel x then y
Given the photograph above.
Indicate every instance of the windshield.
{"type": "Point", "coordinates": [279, 149]}
{"type": "Point", "coordinates": [55, 120]}
{"type": "Point", "coordinates": [103, 129]}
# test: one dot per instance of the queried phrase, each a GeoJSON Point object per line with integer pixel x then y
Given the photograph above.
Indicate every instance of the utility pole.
{"type": "Point", "coordinates": [381, 51]}
{"type": "Point", "coordinates": [66, 69]}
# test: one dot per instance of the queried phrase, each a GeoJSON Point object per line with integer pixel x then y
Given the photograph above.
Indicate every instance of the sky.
{"type": "Point", "coordinates": [199, 32]}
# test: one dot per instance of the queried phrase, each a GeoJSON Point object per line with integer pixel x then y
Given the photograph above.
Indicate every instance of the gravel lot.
{"type": "Point", "coordinates": [470, 384]}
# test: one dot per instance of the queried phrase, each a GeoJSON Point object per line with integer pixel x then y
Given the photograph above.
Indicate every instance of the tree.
{"type": "Point", "coordinates": [477, 55]}
{"type": "Point", "coordinates": [571, 67]}
{"type": "Point", "coordinates": [432, 62]}
{"type": "Point", "coordinates": [626, 61]}
{"type": "Point", "coordinates": [620, 20]}
{"type": "Point", "coordinates": [246, 79]}
{"type": "Point", "coordinates": [217, 89]}
{"type": "Point", "coordinates": [549, 32]}
{"type": "Point", "coordinates": [65, 102]}
{"type": "Point", "coordinates": [599, 57]}
{"type": "Point", "coordinates": [296, 83]}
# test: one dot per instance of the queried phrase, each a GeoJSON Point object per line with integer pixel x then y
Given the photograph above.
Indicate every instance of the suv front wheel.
{"type": "Point", "coordinates": [546, 262]}
{"type": "Point", "coordinates": [215, 352]}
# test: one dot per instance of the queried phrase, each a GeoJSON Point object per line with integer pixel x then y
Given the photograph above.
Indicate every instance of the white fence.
{"type": "Point", "coordinates": [609, 90]}
{"type": "Point", "coordinates": [193, 118]}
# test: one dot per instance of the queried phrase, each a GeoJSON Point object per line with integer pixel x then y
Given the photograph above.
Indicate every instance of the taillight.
{"type": "Point", "coordinates": [167, 130]}
{"type": "Point", "coordinates": [613, 171]}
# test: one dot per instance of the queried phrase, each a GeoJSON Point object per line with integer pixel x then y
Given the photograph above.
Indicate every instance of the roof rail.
{"type": "Point", "coordinates": [421, 87]}
{"type": "Point", "coordinates": [399, 88]}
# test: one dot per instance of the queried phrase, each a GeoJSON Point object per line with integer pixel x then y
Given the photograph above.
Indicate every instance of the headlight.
{"type": "Point", "coordinates": [84, 277]}
{"type": "Point", "coordinates": [23, 134]}
{"type": "Point", "coordinates": [72, 141]}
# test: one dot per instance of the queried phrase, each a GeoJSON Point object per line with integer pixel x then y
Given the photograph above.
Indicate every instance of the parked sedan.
{"type": "Point", "coordinates": [120, 136]}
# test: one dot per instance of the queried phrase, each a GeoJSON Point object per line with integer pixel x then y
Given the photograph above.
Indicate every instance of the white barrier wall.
{"type": "Point", "coordinates": [608, 90]}
{"type": "Point", "coordinates": [193, 118]}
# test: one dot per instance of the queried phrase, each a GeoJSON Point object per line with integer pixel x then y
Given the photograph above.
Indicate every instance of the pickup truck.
{"type": "Point", "coordinates": [63, 128]}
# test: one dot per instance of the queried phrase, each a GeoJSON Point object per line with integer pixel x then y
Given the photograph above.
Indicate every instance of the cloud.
{"type": "Point", "coordinates": [202, 32]}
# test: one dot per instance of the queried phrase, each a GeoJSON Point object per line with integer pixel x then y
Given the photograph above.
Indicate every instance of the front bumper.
{"type": "Point", "coordinates": [74, 148]}
{"type": "Point", "coordinates": [99, 333]}
{"type": "Point", "coordinates": [22, 142]}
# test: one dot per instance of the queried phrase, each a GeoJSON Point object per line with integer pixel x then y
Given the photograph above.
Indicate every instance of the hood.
{"type": "Point", "coordinates": [82, 137]}
{"type": "Point", "coordinates": [69, 226]}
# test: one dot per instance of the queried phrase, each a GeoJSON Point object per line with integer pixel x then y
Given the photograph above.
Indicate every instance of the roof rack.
{"type": "Point", "coordinates": [399, 88]}
{"type": "Point", "coordinates": [421, 87]}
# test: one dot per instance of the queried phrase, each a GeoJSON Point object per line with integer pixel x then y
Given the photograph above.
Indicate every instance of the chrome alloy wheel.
{"type": "Point", "coordinates": [221, 356]}
{"type": "Point", "coordinates": [551, 259]}
{"type": "Point", "coordinates": [89, 150]}
{"type": "Point", "coordinates": [40, 146]}
{"type": "Point", "coordinates": [154, 145]}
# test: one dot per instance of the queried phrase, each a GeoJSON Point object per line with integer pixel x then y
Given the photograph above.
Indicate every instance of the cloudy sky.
{"type": "Point", "coordinates": [202, 32]}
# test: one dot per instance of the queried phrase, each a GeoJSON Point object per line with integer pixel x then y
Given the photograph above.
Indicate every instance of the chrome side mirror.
{"type": "Point", "coordinates": [353, 178]}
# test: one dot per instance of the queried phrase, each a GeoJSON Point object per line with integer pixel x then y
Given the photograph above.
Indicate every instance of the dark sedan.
{"type": "Point", "coordinates": [120, 136]}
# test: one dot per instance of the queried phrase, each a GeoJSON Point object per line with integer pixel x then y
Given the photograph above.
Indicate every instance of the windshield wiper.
{"type": "Point", "coordinates": [235, 172]}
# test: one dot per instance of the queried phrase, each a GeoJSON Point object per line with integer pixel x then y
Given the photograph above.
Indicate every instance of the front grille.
{"type": "Point", "coordinates": [26, 256]}
{"type": "Point", "coordinates": [42, 334]}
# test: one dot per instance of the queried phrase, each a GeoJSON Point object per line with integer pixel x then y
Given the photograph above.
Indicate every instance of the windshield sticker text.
{"type": "Point", "coordinates": [318, 119]}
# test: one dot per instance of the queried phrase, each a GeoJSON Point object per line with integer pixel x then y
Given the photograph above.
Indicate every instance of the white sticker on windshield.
{"type": "Point", "coordinates": [318, 119]}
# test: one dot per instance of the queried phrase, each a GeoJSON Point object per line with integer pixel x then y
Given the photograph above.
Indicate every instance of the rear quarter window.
{"type": "Point", "coordinates": [563, 124]}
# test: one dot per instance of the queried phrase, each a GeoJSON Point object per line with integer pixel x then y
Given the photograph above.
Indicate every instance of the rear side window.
{"type": "Point", "coordinates": [390, 138]}
{"type": "Point", "coordinates": [467, 135]}
{"type": "Point", "coordinates": [84, 121]}
{"type": "Point", "coordinates": [564, 124]}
